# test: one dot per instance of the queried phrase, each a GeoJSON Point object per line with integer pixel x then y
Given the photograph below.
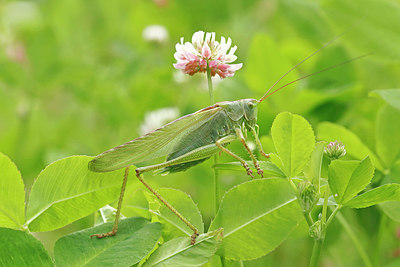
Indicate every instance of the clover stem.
{"type": "Point", "coordinates": [316, 252]}
{"type": "Point", "coordinates": [216, 174]}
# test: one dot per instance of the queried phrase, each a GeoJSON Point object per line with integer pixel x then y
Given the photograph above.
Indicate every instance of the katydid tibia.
{"type": "Point", "coordinates": [190, 140]}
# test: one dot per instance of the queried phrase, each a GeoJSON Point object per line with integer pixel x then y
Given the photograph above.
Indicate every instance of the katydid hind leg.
{"type": "Point", "coordinates": [169, 206]}
{"type": "Point", "coordinates": [118, 213]}
{"type": "Point", "coordinates": [228, 139]}
{"type": "Point", "coordinates": [253, 158]}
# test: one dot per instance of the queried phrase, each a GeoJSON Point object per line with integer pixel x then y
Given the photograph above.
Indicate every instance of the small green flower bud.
{"type": "Point", "coordinates": [315, 230]}
{"type": "Point", "coordinates": [308, 195]}
{"type": "Point", "coordinates": [335, 150]}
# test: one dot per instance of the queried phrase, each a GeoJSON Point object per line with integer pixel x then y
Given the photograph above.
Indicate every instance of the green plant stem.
{"type": "Point", "coordinates": [308, 218]}
{"type": "Point", "coordinates": [379, 239]}
{"type": "Point", "coordinates": [325, 207]}
{"type": "Point", "coordinates": [223, 262]}
{"type": "Point", "coordinates": [210, 86]}
{"type": "Point", "coordinates": [333, 214]}
{"type": "Point", "coordinates": [356, 242]}
{"type": "Point", "coordinates": [319, 241]}
{"type": "Point", "coordinates": [316, 252]}
{"type": "Point", "coordinates": [216, 174]}
{"type": "Point", "coordinates": [306, 214]}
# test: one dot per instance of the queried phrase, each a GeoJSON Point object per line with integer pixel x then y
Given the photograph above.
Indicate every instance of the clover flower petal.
{"type": "Point", "coordinates": [204, 50]}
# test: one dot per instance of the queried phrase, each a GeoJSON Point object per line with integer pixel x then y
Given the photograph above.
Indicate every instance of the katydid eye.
{"type": "Point", "coordinates": [250, 105]}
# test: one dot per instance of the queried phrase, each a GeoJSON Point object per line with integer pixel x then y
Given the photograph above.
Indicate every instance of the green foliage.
{"type": "Point", "coordinates": [22, 249]}
{"type": "Point", "coordinates": [387, 192]}
{"type": "Point", "coordinates": [66, 191]}
{"type": "Point", "coordinates": [354, 146]}
{"type": "Point", "coordinates": [294, 142]}
{"type": "Point", "coordinates": [387, 131]}
{"type": "Point", "coordinates": [12, 195]}
{"type": "Point", "coordinates": [78, 77]}
{"type": "Point", "coordinates": [313, 169]}
{"type": "Point", "coordinates": [179, 252]}
{"type": "Point", "coordinates": [173, 226]}
{"type": "Point", "coordinates": [347, 178]}
{"type": "Point", "coordinates": [258, 214]}
{"type": "Point", "coordinates": [136, 238]}
{"type": "Point", "coordinates": [391, 96]}
{"type": "Point", "coordinates": [270, 169]}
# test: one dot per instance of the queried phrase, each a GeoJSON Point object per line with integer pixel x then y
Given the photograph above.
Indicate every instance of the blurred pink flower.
{"type": "Point", "coordinates": [193, 57]}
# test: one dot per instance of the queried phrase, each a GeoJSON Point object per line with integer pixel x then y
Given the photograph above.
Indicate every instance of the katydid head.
{"type": "Point", "coordinates": [250, 110]}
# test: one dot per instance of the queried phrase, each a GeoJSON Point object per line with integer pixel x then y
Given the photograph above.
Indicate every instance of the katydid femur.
{"type": "Point", "coordinates": [190, 140]}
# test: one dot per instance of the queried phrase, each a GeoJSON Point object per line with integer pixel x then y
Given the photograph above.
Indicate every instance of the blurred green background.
{"type": "Point", "coordinates": [80, 77]}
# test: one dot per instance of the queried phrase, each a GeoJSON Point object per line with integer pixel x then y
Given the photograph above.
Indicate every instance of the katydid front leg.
{"type": "Point", "coordinates": [239, 134]}
{"type": "Point", "coordinates": [228, 139]}
{"type": "Point", "coordinates": [258, 142]}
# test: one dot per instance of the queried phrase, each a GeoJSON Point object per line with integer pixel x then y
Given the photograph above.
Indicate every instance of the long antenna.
{"type": "Point", "coordinates": [298, 64]}
{"type": "Point", "coordinates": [308, 75]}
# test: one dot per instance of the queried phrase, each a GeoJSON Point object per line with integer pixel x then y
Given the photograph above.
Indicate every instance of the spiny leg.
{"type": "Point", "coordinates": [239, 134]}
{"type": "Point", "coordinates": [191, 226]}
{"type": "Point", "coordinates": [227, 151]}
{"type": "Point", "coordinates": [121, 196]}
{"type": "Point", "coordinates": [258, 143]}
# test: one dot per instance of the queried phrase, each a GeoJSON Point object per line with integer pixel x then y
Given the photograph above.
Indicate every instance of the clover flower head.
{"type": "Point", "coordinates": [204, 50]}
{"type": "Point", "coordinates": [335, 150]}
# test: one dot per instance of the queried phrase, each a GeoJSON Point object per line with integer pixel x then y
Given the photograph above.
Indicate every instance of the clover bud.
{"type": "Point", "coordinates": [335, 150]}
{"type": "Point", "coordinates": [315, 230]}
{"type": "Point", "coordinates": [308, 195]}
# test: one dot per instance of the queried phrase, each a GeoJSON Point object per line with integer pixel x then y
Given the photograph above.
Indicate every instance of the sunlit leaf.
{"type": "Point", "coordinates": [384, 193]}
{"type": "Point", "coordinates": [66, 191]}
{"type": "Point", "coordinates": [294, 141]}
{"type": "Point", "coordinates": [179, 251]}
{"type": "Point", "coordinates": [135, 238]}
{"type": "Point", "coordinates": [183, 203]}
{"type": "Point", "coordinates": [347, 178]}
{"type": "Point", "coordinates": [12, 195]}
{"type": "Point", "coordinates": [256, 217]}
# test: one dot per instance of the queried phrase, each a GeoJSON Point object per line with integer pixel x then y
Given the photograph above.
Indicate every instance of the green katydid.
{"type": "Point", "coordinates": [190, 140]}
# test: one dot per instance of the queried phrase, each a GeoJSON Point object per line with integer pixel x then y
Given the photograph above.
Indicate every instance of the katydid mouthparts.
{"type": "Point", "coordinates": [190, 140]}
